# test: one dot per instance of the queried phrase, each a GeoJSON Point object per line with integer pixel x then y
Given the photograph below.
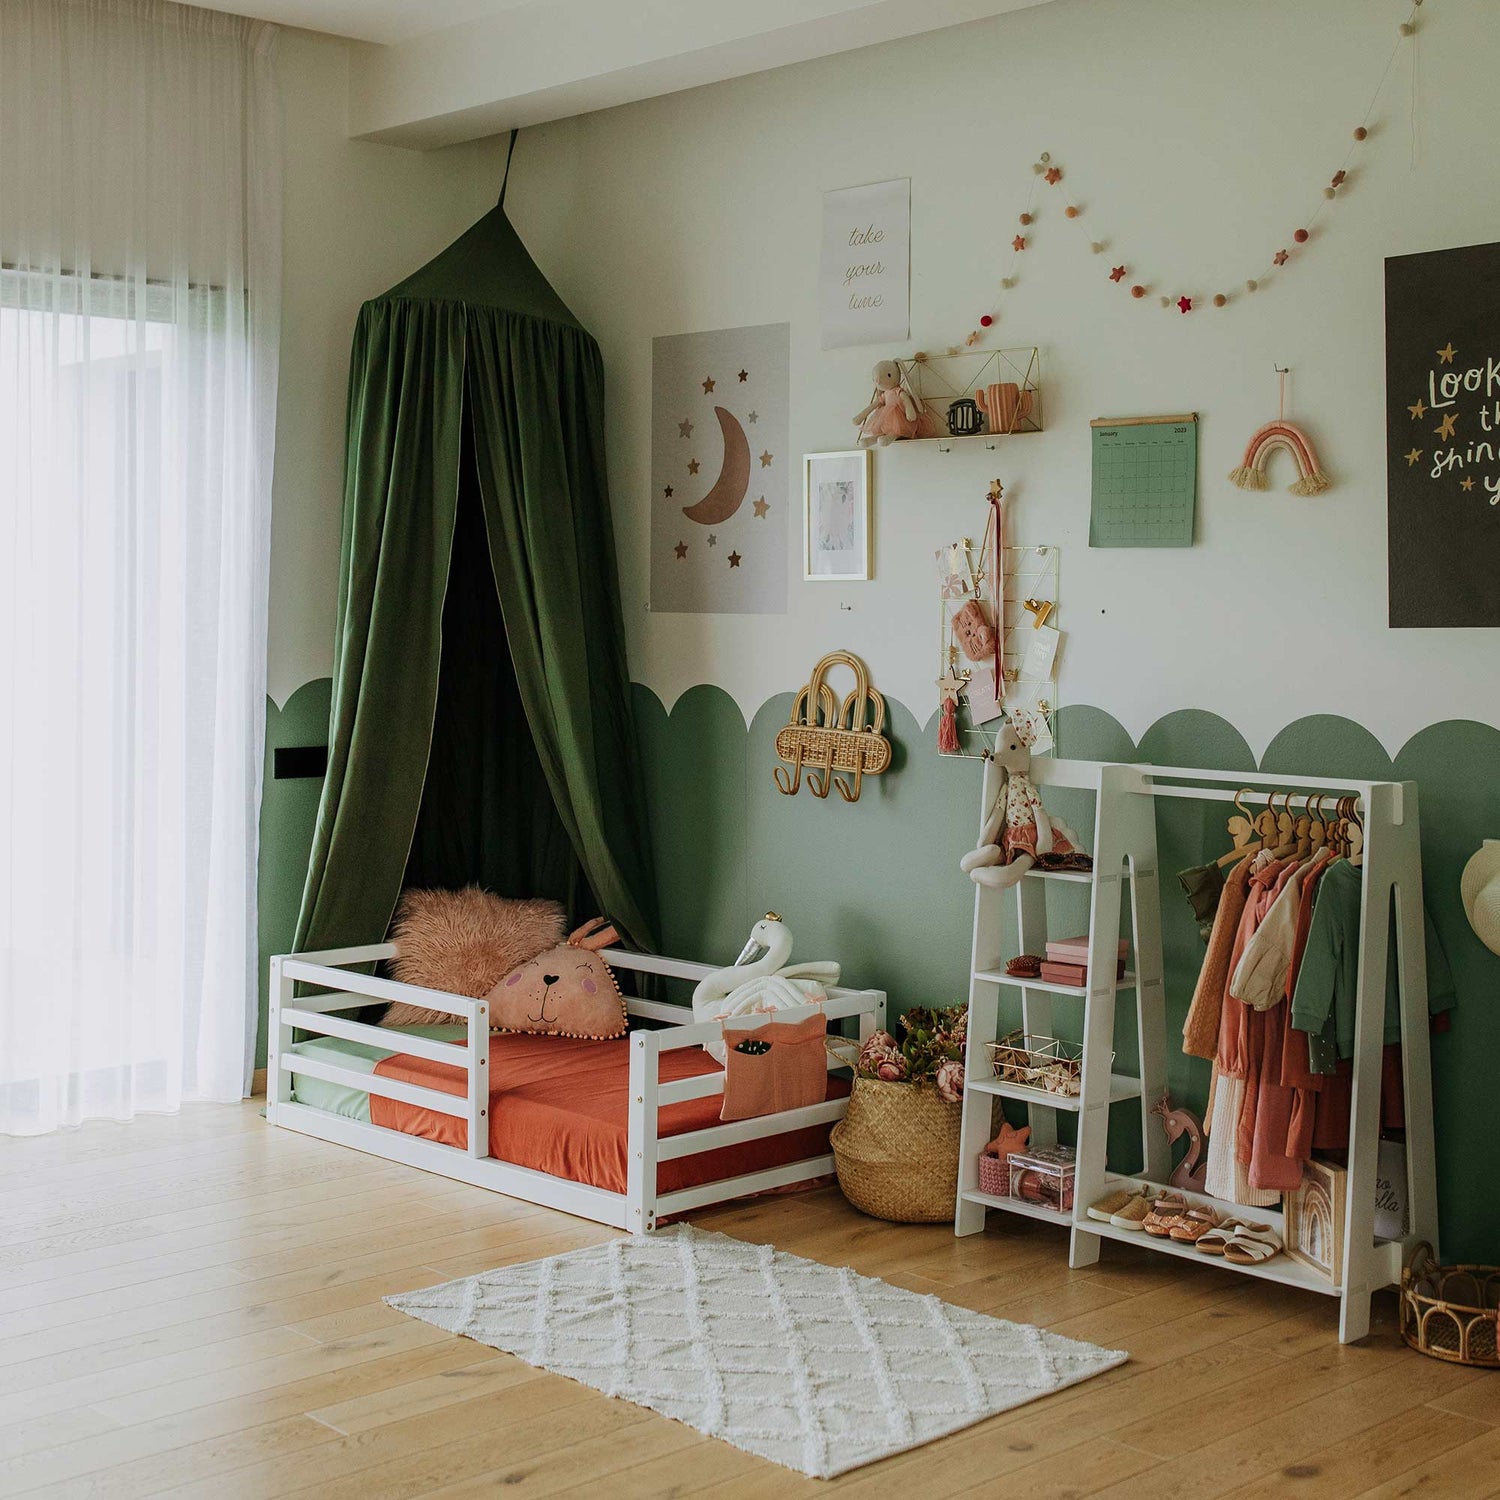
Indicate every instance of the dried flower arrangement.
{"type": "Point", "coordinates": [931, 1049]}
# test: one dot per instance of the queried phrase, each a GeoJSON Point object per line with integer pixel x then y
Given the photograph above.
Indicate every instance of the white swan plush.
{"type": "Point", "coordinates": [761, 979]}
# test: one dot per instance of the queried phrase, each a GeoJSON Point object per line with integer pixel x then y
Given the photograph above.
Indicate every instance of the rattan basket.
{"type": "Point", "coordinates": [896, 1151]}
{"type": "Point", "coordinates": [1451, 1312]}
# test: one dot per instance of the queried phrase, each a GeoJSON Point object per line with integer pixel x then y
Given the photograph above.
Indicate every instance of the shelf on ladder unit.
{"type": "Point", "coordinates": [1019, 1206]}
{"type": "Point", "coordinates": [1121, 1086]}
{"type": "Point", "coordinates": [1075, 877]}
{"type": "Point", "coordinates": [999, 976]}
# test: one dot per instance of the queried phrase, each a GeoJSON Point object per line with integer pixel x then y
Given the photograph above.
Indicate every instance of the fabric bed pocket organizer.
{"type": "Point", "coordinates": [786, 1068]}
{"type": "Point", "coordinates": [567, 991]}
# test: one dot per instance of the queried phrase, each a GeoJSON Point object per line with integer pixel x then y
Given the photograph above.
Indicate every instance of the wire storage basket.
{"type": "Point", "coordinates": [1451, 1312]}
{"type": "Point", "coordinates": [1039, 1062]}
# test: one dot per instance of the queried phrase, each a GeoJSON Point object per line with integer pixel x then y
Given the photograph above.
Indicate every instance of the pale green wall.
{"type": "Point", "coordinates": [876, 884]}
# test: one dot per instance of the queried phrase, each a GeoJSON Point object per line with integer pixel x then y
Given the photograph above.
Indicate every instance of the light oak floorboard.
{"type": "Point", "coordinates": [191, 1306]}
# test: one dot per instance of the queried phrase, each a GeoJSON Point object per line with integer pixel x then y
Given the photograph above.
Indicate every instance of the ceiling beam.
{"type": "Point", "coordinates": [556, 58]}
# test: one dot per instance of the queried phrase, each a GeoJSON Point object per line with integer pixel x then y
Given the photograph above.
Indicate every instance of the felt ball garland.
{"type": "Point", "coordinates": [1046, 173]}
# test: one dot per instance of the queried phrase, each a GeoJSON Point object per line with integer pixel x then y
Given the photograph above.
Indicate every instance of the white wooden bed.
{"type": "Point", "coordinates": [638, 1208]}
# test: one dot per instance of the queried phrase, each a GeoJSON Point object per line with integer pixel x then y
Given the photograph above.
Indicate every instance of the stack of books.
{"type": "Point", "coordinates": [1068, 961]}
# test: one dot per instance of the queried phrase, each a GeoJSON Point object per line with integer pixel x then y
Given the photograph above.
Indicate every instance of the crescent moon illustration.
{"type": "Point", "coordinates": [728, 493]}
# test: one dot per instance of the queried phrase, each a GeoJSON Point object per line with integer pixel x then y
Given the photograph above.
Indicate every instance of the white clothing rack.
{"type": "Point", "coordinates": [1125, 849]}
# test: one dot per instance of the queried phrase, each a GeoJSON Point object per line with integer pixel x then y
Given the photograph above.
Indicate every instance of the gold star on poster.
{"type": "Point", "coordinates": [1417, 409]}
{"type": "Point", "coordinates": [681, 550]}
{"type": "Point", "coordinates": [734, 559]}
{"type": "Point", "coordinates": [692, 466]}
{"type": "Point", "coordinates": [708, 385]}
{"type": "Point", "coordinates": [1444, 429]}
{"type": "Point", "coordinates": [949, 686]}
{"type": "Point", "coordinates": [1467, 482]}
{"type": "Point", "coordinates": [1413, 457]}
{"type": "Point", "coordinates": [760, 508]}
{"type": "Point", "coordinates": [713, 539]}
{"type": "Point", "coordinates": [765, 460]}
{"type": "Point", "coordinates": [685, 428]}
{"type": "Point", "coordinates": [744, 376]}
{"type": "Point", "coordinates": [1446, 353]}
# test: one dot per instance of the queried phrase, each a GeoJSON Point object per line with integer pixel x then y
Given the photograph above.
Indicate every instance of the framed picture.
{"type": "Point", "coordinates": [836, 516]}
{"type": "Point", "coordinates": [1314, 1220]}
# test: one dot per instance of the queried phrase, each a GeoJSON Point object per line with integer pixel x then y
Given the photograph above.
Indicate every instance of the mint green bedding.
{"type": "Point", "coordinates": [344, 1099]}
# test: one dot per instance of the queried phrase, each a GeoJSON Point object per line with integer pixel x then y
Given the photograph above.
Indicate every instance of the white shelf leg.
{"type": "Point", "coordinates": [974, 1128]}
{"type": "Point", "coordinates": [1036, 1005]}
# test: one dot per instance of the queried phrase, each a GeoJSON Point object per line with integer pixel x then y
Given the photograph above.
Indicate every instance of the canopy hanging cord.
{"type": "Point", "coordinates": [504, 181]}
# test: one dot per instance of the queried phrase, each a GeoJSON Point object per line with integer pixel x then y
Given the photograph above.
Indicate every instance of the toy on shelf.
{"type": "Point", "coordinates": [826, 735]}
{"type": "Point", "coordinates": [1018, 835]}
{"type": "Point", "coordinates": [892, 412]}
{"type": "Point", "coordinates": [1191, 1173]}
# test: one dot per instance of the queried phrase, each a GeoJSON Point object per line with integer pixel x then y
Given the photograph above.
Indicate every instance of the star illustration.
{"type": "Point", "coordinates": [684, 428]}
{"type": "Point", "coordinates": [681, 550]}
{"type": "Point", "coordinates": [1467, 482]}
{"type": "Point", "coordinates": [765, 460]}
{"type": "Point", "coordinates": [744, 376]}
{"type": "Point", "coordinates": [1444, 429]}
{"type": "Point", "coordinates": [734, 559]}
{"type": "Point", "coordinates": [1445, 354]}
{"type": "Point", "coordinates": [1413, 457]}
{"type": "Point", "coordinates": [1054, 175]}
{"type": "Point", "coordinates": [666, 493]}
{"type": "Point", "coordinates": [753, 418]}
{"type": "Point", "coordinates": [1019, 243]}
{"type": "Point", "coordinates": [949, 686]}
{"type": "Point", "coordinates": [713, 540]}
{"type": "Point", "coordinates": [708, 385]}
{"type": "Point", "coordinates": [1185, 304]}
{"type": "Point", "coordinates": [1281, 257]}
{"type": "Point", "coordinates": [1118, 274]}
{"type": "Point", "coordinates": [760, 508]}
{"type": "Point", "coordinates": [1417, 409]}
{"type": "Point", "coordinates": [692, 466]}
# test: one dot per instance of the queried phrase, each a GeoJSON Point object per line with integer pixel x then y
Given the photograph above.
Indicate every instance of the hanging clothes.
{"type": "Point", "coordinates": [1200, 1031]}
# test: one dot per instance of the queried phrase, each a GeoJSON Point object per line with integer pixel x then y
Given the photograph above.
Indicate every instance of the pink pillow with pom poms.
{"type": "Point", "coordinates": [567, 991]}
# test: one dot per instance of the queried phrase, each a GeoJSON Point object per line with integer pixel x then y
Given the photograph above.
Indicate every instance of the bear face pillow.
{"type": "Point", "coordinates": [568, 990]}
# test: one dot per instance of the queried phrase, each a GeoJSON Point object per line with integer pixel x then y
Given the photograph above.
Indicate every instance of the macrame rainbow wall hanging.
{"type": "Point", "coordinates": [1251, 474]}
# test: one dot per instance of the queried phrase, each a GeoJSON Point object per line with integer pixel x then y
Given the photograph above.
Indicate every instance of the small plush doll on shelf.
{"type": "Point", "coordinates": [892, 413]}
{"type": "Point", "coordinates": [1018, 835]}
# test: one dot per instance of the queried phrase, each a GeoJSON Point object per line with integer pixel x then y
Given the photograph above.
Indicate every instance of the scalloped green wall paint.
{"type": "Point", "coordinates": [876, 885]}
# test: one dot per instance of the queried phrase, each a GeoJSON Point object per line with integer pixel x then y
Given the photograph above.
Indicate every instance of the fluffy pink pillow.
{"type": "Point", "coordinates": [461, 942]}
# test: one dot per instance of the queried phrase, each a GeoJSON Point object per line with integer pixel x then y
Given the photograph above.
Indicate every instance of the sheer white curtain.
{"type": "Point", "coordinates": [140, 237]}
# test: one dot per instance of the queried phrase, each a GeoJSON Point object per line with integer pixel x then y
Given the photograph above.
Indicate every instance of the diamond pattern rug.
{"type": "Point", "coordinates": [807, 1365]}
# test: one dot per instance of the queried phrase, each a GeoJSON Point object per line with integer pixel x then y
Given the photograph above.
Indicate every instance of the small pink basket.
{"type": "Point", "coordinates": [994, 1175]}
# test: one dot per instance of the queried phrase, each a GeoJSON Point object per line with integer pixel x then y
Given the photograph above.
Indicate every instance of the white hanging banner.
{"type": "Point", "coordinates": [864, 282]}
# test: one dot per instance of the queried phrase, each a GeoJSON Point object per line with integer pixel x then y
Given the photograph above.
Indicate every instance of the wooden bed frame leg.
{"type": "Point", "coordinates": [278, 1040]}
{"type": "Point", "coordinates": [640, 1140]}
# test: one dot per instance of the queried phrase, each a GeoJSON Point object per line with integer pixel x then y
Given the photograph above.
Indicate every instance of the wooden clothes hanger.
{"type": "Point", "coordinates": [1285, 835]}
{"type": "Point", "coordinates": [1240, 831]}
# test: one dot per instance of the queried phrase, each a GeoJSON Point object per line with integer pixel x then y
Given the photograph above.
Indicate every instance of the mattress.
{"type": "Point", "coordinates": [558, 1105]}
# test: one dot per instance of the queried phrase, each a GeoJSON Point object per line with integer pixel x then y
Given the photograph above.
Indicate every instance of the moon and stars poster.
{"type": "Point", "coordinates": [720, 471]}
{"type": "Point", "coordinates": [1442, 372]}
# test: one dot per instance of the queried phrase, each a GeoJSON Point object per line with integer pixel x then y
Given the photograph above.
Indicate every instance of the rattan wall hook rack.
{"type": "Point", "coordinates": [827, 735]}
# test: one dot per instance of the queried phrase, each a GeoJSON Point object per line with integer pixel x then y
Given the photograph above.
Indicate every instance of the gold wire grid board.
{"type": "Point", "coordinates": [1031, 576]}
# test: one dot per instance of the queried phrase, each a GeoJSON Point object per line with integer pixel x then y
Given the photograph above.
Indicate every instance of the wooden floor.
{"type": "Point", "coordinates": [191, 1306]}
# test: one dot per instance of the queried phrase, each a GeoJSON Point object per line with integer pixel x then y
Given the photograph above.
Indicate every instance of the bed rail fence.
{"type": "Point", "coordinates": [343, 988]}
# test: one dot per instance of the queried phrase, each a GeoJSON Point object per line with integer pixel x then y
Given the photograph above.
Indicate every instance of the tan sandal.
{"type": "Point", "coordinates": [1252, 1244]}
{"type": "Point", "coordinates": [1214, 1241]}
{"type": "Point", "coordinates": [1194, 1224]}
{"type": "Point", "coordinates": [1165, 1212]}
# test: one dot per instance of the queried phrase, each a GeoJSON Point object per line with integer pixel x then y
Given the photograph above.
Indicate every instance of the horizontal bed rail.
{"type": "Point", "coordinates": [372, 1083]}
{"type": "Point", "coordinates": [456, 1054]}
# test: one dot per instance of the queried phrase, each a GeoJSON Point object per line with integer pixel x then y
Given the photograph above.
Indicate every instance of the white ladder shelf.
{"type": "Point", "coordinates": [1125, 851]}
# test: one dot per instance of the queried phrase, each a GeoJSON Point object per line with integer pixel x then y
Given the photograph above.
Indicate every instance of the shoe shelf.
{"type": "Point", "coordinates": [981, 1201]}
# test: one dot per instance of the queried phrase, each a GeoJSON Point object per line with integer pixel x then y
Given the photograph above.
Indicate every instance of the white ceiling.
{"type": "Point", "coordinates": [370, 20]}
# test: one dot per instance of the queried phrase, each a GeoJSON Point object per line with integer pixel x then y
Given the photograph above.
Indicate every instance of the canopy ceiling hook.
{"type": "Point", "coordinates": [505, 180]}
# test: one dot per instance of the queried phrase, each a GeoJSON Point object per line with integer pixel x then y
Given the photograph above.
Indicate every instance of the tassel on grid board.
{"type": "Point", "coordinates": [948, 729]}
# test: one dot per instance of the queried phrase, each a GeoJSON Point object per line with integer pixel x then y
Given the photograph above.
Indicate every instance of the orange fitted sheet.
{"type": "Point", "coordinates": [560, 1105]}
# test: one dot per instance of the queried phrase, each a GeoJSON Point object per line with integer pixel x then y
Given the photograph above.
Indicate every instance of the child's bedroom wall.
{"type": "Point", "coordinates": [1199, 136]}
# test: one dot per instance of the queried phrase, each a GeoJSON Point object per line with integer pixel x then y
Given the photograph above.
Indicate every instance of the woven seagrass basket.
{"type": "Point", "coordinates": [896, 1152]}
{"type": "Point", "coordinates": [1451, 1312]}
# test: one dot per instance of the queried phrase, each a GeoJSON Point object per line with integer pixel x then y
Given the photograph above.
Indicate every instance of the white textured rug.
{"type": "Point", "coordinates": [807, 1365]}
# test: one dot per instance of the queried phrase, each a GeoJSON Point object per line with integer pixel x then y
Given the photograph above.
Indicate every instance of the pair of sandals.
{"type": "Point", "coordinates": [1239, 1241]}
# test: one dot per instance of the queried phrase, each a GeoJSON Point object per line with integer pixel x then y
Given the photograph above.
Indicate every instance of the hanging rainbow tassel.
{"type": "Point", "coordinates": [1251, 474]}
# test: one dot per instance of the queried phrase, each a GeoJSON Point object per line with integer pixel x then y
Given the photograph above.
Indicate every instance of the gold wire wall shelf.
{"type": "Point", "coordinates": [987, 393]}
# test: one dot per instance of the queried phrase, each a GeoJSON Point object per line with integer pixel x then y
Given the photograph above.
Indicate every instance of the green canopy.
{"type": "Point", "coordinates": [481, 726]}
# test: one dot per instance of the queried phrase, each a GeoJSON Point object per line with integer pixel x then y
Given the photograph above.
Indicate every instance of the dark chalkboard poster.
{"type": "Point", "coordinates": [1442, 424]}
